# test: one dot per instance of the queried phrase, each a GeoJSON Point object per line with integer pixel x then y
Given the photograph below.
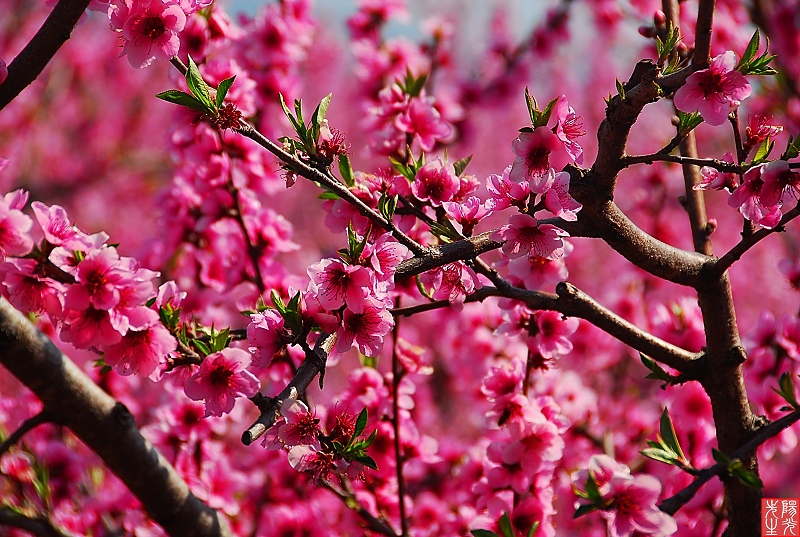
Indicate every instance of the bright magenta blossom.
{"type": "Point", "coordinates": [335, 283]}
{"type": "Point", "coordinates": [141, 351]}
{"type": "Point", "coordinates": [634, 507]}
{"type": "Point", "coordinates": [715, 91]}
{"type": "Point", "coordinates": [223, 376]}
{"type": "Point", "coordinates": [424, 122]}
{"type": "Point", "coordinates": [366, 328]}
{"type": "Point", "coordinates": [435, 182]}
{"type": "Point", "coordinates": [150, 29]}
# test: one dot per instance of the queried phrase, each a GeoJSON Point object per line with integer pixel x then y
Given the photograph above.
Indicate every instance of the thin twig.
{"type": "Point", "coordinates": [30, 62]}
{"type": "Point", "coordinates": [747, 242]}
{"type": "Point", "coordinates": [672, 504]}
{"type": "Point", "coordinates": [39, 525]}
{"type": "Point", "coordinates": [34, 421]}
{"type": "Point", "coordinates": [397, 375]}
{"type": "Point", "coordinates": [717, 164]}
{"type": "Point", "coordinates": [373, 523]}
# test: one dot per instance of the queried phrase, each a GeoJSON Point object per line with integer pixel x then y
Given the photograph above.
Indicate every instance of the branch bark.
{"type": "Point", "coordinates": [106, 426]}
{"type": "Point", "coordinates": [30, 62]}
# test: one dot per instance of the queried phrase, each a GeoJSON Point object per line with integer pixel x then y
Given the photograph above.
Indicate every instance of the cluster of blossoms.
{"type": "Point", "coordinates": [96, 298]}
{"type": "Point", "coordinates": [627, 502]}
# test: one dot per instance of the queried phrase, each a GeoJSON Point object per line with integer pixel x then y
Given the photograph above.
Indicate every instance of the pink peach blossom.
{"type": "Point", "coordinates": [223, 376]}
{"type": "Point", "coordinates": [715, 91]}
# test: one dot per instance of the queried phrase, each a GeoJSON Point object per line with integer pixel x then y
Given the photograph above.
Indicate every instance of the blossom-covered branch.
{"type": "Point", "coordinates": [105, 425]}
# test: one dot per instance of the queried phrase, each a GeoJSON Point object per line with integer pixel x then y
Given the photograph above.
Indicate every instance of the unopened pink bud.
{"type": "Point", "coordinates": [647, 31]}
{"type": "Point", "coordinates": [659, 19]}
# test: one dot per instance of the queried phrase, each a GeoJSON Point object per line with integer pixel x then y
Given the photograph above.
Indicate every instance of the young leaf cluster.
{"type": "Point", "coordinates": [736, 469]}
{"type": "Point", "coordinates": [786, 391]}
{"type": "Point", "coordinates": [356, 448]}
{"type": "Point", "coordinates": [292, 317]}
{"type": "Point", "coordinates": [750, 64]}
{"type": "Point", "coordinates": [411, 85]}
{"type": "Point", "coordinates": [657, 372]}
{"type": "Point", "coordinates": [668, 59]}
{"type": "Point", "coordinates": [792, 148]}
{"type": "Point", "coordinates": [355, 246]}
{"type": "Point", "coordinates": [307, 140]}
{"type": "Point", "coordinates": [667, 448]}
{"type": "Point", "coordinates": [200, 97]}
{"type": "Point", "coordinates": [539, 118]}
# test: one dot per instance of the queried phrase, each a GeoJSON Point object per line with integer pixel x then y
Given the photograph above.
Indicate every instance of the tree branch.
{"type": "Point", "coordinates": [29, 424]}
{"type": "Point", "coordinates": [720, 165]}
{"type": "Point", "coordinates": [30, 62]}
{"type": "Point", "coordinates": [702, 34]}
{"type": "Point", "coordinates": [313, 365]}
{"type": "Point", "coordinates": [40, 525]}
{"type": "Point", "coordinates": [735, 253]}
{"type": "Point", "coordinates": [104, 425]}
{"type": "Point", "coordinates": [672, 504]}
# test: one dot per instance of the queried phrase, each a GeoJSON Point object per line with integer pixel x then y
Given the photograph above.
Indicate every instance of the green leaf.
{"type": "Point", "coordinates": [367, 461]}
{"type": "Point", "coordinates": [660, 455]}
{"type": "Point", "coordinates": [687, 122]}
{"type": "Point", "coordinates": [787, 390]}
{"type": "Point", "coordinates": [288, 113]}
{"type": "Point", "coordinates": [748, 478]}
{"type": "Point", "coordinates": [592, 490]}
{"type": "Point", "coordinates": [361, 423]}
{"type": "Point", "coordinates": [417, 85]}
{"type": "Point", "coordinates": [346, 170]}
{"type": "Point", "coordinates": [668, 436]}
{"type": "Point", "coordinates": [584, 509]}
{"type": "Point", "coordinates": [319, 116]}
{"type": "Point", "coordinates": [483, 533]}
{"type": "Point", "coordinates": [198, 86]}
{"type": "Point", "coordinates": [530, 102]}
{"type": "Point", "coordinates": [533, 528]}
{"type": "Point", "coordinates": [763, 151]}
{"type": "Point", "coordinates": [222, 90]}
{"type": "Point", "coordinates": [792, 148]}
{"type": "Point", "coordinates": [387, 205]}
{"type": "Point", "coordinates": [720, 457]}
{"type": "Point", "coordinates": [278, 301]}
{"type": "Point", "coordinates": [620, 89]}
{"type": "Point", "coordinates": [750, 51]}
{"type": "Point", "coordinates": [505, 526]}
{"type": "Point", "coordinates": [407, 171]}
{"type": "Point", "coordinates": [656, 371]}
{"type": "Point", "coordinates": [461, 165]}
{"type": "Point", "coordinates": [182, 98]}
{"type": "Point", "coordinates": [544, 116]}
{"type": "Point", "coordinates": [328, 195]}
{"type": "Point", "coordinates": [204, 349]}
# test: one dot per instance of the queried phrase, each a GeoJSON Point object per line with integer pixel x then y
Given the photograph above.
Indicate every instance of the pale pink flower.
{"type": "Point", "coordinates": [266, 336]}
{"type": "Point", "coordinates": [151, 31]}
{"type": "Point", "coordinates": [715, 91]}
{"type": "Point", "coordinates": [223, 376]}
{"type": "Point", "coordinates": [569, 127]}
{"type": "Point", "coordinates": [781, 184]}
{"type": "Point", "coordinates": [559, 201]}
{"type": "Point", "coordinates": [717, 180]}
{"type": "Point", "coordinates": [468, 213]}
{"type": "Point", "coordinates": [435, 182]}
{"type": "Point", "coordinates": [747, 198]}
{"type": "Point", "coordinates": [335, 283]}
{"type": "Point", "coordinates": [14, 228]}
{"type": "Point", "coordinates": [533, 444]}
{"type": "Point", "coordinates": [386, 255]}
{"type": "Point", "coordinates": [169, 293]}
{"type": "Point", "coordinates": [503, 192]}
{"type": "Point", "coordinates": [524, 235]}
{"type": "Point", "coordinates": [58, 228]}
{"type": "Point", "coordinates": [532, 150]}
{"type": "Point", "coordinates": [141, 351]}
{"type": "Point", "coordinates": [452, 282]}
{"type": "Point", "coordinates": [634, 507]}
{"type": "Point", "coordinates": [424, 122]}
{"type": "Point", "coordinates": [366, 328]}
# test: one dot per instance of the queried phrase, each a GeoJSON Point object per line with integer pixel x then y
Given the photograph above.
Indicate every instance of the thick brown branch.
{"type": "Point", "coordinates": [702, 34]}
{"type": "Point", "coordinates": [437, 256]}
{"type": "Point", "coordinates": [30, 62]}
{"type": "Point", "coordinates": [694, 199]}
{"type": "Point", "coordinates": [104, 425]}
